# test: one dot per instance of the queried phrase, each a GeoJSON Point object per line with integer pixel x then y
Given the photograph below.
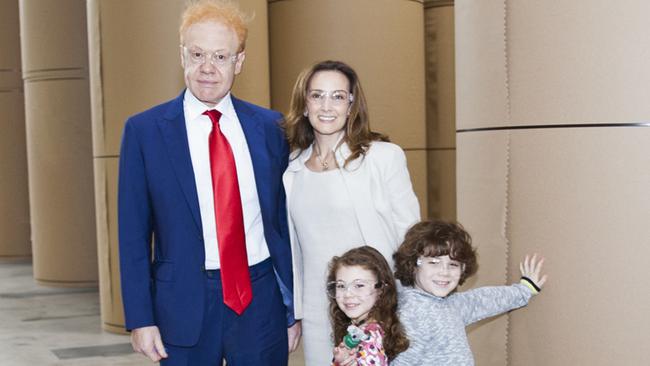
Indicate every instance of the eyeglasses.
{"type": "Point", "coordinates": [359, 288]}
{"type": "Point", "coordinates": [197, 56]}
{"type": "Point", "coordinates": [438, 265]}
{"type": "Point", "coordinates": [336, 97]}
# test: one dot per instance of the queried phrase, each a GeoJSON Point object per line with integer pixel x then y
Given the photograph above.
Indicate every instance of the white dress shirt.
{"type": "Point", "coordinates": [198, 131]}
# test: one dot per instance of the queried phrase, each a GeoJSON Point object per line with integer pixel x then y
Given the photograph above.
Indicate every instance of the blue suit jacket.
{"type": "Point", "coordinates": [163, 284]}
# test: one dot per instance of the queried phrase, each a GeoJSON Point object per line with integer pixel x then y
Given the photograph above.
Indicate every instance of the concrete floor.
{"type": "Point", "coordinates": [59, 326]}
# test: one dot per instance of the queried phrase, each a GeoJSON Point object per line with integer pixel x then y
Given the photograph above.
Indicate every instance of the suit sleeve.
{"type": "Point", "coordinates": [285, 288]}
{"type": "Point", "coordinates": [135, 232]}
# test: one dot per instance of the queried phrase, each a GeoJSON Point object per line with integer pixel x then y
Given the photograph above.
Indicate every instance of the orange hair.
{"type": "Point", "coordinates": [222, 11]}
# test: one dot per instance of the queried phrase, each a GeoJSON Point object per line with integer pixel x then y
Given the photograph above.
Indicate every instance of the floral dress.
{"type": "Point", "coordinates": [370, 351]}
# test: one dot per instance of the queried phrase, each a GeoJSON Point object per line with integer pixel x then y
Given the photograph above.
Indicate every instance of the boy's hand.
{"type": "Point", "coordinates": [531, 267]}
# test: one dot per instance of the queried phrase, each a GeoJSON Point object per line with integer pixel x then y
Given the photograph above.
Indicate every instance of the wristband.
{"type": "Point", "coordinates": [530, 284]}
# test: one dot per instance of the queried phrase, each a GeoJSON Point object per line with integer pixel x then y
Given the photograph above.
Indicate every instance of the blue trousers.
{"type": "Point", "coordinates": [258, 337]}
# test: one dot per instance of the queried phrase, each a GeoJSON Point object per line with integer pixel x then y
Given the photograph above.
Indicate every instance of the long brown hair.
{"type": "Point", "coordinates": [383, 312]}
{"type": "Point", "coordinates": [358, 135]}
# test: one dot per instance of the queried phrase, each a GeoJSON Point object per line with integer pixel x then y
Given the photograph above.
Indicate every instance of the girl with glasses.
{"type": "Point", "coordinates": [363, 306]}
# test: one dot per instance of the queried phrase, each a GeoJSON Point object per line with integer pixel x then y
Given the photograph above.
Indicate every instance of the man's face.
{"type": "Point", "coordinates": [210, 60]}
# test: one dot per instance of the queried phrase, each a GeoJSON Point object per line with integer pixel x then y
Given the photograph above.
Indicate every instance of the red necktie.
{"type": "Point", "coordinates": [235, 279]}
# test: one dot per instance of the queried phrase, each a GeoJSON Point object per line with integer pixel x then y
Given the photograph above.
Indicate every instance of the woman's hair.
{"type": "Point", "coordinates": [434, 238]}
{"type": "Point", "coordinates": [383, 312]}
{"type": "Point", "coordinates": [222, 11]}
{"type": "Point", "coordinates": [358, 135]}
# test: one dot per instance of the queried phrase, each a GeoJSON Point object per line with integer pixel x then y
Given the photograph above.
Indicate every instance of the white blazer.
{"type": "Point", "coordinates": [382, 195]}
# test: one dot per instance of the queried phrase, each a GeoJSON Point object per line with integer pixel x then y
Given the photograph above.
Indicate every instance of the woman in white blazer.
{"type": "Point", "coordinates": [346, 186]}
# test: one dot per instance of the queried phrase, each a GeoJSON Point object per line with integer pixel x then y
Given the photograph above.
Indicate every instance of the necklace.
{"type": "Point", "coordinates": [324, 164]}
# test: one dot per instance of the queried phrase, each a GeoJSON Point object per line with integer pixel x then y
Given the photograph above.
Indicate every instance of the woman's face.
{"type": "Point", "coordinates": [328, 102]}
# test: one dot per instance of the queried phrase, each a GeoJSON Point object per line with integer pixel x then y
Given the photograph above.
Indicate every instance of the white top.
{"type": "Point", "coordinates": [322, 211]}
{"type": "Point", "coordinates": [198, 131]}
{"type": "Point", "coordinates": [380, 191]}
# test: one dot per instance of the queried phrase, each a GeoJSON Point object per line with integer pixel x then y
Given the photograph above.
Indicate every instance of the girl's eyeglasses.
{"type": "Point", "coordinates": [359, 288]}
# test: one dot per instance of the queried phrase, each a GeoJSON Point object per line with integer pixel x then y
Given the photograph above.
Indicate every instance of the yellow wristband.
{"type": "Point", "coordinates": [526, 283]}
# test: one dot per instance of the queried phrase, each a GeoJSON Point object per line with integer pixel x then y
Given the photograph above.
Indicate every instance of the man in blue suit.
{"type": "Point", "coordinates": [182, 230]}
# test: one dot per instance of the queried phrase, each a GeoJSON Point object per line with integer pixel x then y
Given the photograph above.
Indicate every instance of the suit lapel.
{"type": "Point", "coordinates": [172, 127]}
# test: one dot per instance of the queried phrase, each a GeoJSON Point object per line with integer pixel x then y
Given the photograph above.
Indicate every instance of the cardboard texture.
{"type": "Point", "coordinates": [417, 166]}
{"type": "Point", "coordinates": [440, 82]}
{"type": "Point", "coordinates": [440, 110]}
{"type": "Point", "coordinates": [9, 38]}
{"type": "Point", "coordinates": [578, 61]}
{"type": "Point", "coordinates": [53, 42]}
{"type": "Point", "coordinates": [441, 179]}
{"type": "Point", "coordinates": [112, 312]}
{"type": "Point", "coordinates": [58, 135]}
{"type": "Point", "coordinates": [482, 204]}
{"type": "Point", "coordinates": [14, 204]}
{"type": "Point", "coordinates": [579, 197]}
{"type": "Point", "coordinates": [576, 195]}
{"type": "Point", "coordinates": [383, 40]}
{"type": "Point", "coordinates": [481, 64]}
{"type": "Point", "coordinates": [138, 41]}
{"type": "Point", "coordinates": [254, 82]}
{"type": "Point", "coordinates": [60, 182]}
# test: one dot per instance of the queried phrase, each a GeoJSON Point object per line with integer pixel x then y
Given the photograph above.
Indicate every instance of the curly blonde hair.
{"type": "Point", "coordinates": [222, 11]}
{"type": "Point", "coordinates": [384, 311]}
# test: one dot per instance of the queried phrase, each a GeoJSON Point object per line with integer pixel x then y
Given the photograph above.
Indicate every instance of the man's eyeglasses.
{"type": "Point", "coordinates": [360, 288]}
{"type": "Point", "coordinates": [197, 56]}
{"type": "Point", "coordinates": [336, 97]}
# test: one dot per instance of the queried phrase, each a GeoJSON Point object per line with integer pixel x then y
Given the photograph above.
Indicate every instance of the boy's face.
{"type": "Point", "coordinates": [438, 276]}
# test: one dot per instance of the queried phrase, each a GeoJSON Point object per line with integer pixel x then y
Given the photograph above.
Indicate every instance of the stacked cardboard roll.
{"type": "Point", "coordinates": [553, 157]}
{"type": "Point", "coordinates": [440, 108]}
{"type": "Point", "coordinates": [14, 203]}
{"type": "Point", "coordinates": [59, 147]}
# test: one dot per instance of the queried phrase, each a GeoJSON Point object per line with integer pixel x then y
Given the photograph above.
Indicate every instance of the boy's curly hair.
{"type": "Point", "coordinates": [434, 238]}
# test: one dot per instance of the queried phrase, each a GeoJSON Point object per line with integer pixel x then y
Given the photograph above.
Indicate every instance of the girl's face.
{"type": "Point", "coordinates": [356, 291]}
{"type": "Point", "coordinates": [438, 276]}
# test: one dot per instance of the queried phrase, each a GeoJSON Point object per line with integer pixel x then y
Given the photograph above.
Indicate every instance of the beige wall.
{"type": "Point", "coordinates": [14, 204]}
{"type": "Point", "coordinates": [553, 158]}
{"type": "Point", "coordinates": [57, 114]}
